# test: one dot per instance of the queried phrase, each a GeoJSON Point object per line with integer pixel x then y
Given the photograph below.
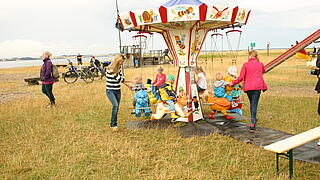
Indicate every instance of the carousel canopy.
{"type": "Point", "coordinates": [180, 2]}
{"type": "Point", "coordinates": [183, 14]}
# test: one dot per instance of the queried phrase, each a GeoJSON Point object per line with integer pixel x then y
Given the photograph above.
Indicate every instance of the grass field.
{"type": "Point", "coordinates": [73, 141]}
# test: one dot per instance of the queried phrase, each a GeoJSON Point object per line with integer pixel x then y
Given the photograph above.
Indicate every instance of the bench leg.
{"type": "Point", "coordinates": [290, 156]}
{"type": "Point", "coordinates": [277, 163]}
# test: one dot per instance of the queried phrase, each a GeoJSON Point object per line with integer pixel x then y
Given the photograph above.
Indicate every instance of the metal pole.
{"type": "Point", "coordinates": [118, 24]}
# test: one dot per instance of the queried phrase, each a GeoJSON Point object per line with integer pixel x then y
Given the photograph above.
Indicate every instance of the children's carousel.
{"type": "Point", "coordinates": [184, 26]}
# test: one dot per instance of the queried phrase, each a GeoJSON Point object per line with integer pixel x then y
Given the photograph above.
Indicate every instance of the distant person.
{"type": "Point", "coordinates": [92, 61]}
{"type": "Point", "coordinates": [47, 78]}
{"type": "Point", "coordinates": [79, 59]}
{"type": "Point", "coordinates": [252, 75]}
{"type": "Point", "coordinates": [316, 71]}
{"type": "Point", "coordinates": [114, 80]}
{"type": "Point", "coordinates": [314, 50]}
{"type": "Point", "coordinates": [97, 64]}
{"type": "Point", "coordinates": [166, 54]}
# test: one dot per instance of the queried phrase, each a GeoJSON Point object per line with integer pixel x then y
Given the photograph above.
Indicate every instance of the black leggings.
{"type": "Point", "coordinates": [47, 90]}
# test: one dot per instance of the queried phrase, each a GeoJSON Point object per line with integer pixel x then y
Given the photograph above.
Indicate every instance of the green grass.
{"type": "Point", "coordinates": [72, 141]}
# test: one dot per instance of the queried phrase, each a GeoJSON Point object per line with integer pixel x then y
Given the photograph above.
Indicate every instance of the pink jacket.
{"type": "Point", "coordinates": [160, 79]}
{"type": "Point", "coordinates": [252, 75]}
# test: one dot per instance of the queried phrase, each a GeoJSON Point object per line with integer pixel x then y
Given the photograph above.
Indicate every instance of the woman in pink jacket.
{"type": "Point", "coordinates": [252, 75]}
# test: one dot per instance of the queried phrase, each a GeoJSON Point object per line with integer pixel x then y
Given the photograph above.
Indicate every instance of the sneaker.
{"type": "Point", "coordinates": [318, 143]}
{"type": "Point", "coordinates": [114, 129]}
{"type": "Point", "coordinates": [252, 128]}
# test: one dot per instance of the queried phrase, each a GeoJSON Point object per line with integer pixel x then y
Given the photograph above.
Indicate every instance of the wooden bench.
{"type": "Point", "coordinates": [284, 148]}
{"type": "Point", "coordinates": [32, 81]}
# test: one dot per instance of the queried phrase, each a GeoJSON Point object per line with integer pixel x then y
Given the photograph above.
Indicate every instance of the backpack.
{"type": "Point", "coordinates": [55, 72]}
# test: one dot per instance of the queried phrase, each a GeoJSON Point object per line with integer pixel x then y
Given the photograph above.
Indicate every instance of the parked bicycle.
{"type": "Point", "coordinates": [72, 75]}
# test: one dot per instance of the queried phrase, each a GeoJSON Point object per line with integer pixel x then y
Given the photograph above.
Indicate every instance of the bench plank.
{"type": "Point", "coordinates": [294, 141]}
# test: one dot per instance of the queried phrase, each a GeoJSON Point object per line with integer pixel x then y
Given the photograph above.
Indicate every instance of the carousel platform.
{"type": "Point", "coordinates": [309, 152]}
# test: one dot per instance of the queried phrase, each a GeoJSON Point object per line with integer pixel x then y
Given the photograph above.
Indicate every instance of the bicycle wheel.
{"type": "Point", "coordinates": [87, 76]}
{"type": "Point", "coordinates": [70, 77]}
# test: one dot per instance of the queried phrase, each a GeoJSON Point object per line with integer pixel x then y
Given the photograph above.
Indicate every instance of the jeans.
{"type": "Point", "coordinates": [114, 97]}
{"type": "Point", "coordinates": [254, 97]}
{"type": "Point", "coordinates": [47, 90]}
{"type": "Point", "coordinates": [171, 105]}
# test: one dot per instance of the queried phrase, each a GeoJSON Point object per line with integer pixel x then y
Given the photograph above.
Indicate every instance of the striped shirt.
{"type": "Point", "coordinates": [114, 80]}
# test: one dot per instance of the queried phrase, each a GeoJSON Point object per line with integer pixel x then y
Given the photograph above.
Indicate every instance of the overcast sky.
{"type": "Point", "coordinates": [28, 27]}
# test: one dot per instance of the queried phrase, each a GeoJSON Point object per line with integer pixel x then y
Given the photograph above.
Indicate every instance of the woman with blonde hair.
{"type": "Point", "coordinates": [252, 75]}
{"type": "Point", "coordinates": [47, 79]}
{"type": "Point", "coordinates": [114, 78]}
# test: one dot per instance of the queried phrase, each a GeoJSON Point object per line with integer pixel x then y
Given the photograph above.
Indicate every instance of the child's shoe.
{"type": "Point", "coordinates": [229, 117]}
{"type": "Point", "coordinates": [174, 116]}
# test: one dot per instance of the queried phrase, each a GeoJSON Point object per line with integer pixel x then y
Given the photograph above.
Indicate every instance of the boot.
{"type": "Point", "coordinates": [211, 116]}
{"type": "Point", "coordinates": [174, 116]}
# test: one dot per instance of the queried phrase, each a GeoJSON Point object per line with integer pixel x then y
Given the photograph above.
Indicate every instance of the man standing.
{"type": "Point", "coordinates": [316, 71]}
{"type": "Point", "coordinates": [79, 58]}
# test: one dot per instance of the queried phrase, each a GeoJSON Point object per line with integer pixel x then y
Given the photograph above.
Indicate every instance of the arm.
{"type": "Point", "coordinates": [197, 78]}
{"type": "Point", "coordinates": [156, 80]}
{"type": "Point", "coordinates": [242, 75]}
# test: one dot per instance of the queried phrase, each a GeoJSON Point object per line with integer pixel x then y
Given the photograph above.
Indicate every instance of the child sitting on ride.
{"type": "Point", "coordinates": [200, 79]}
{"type": "Point", "coordinates": [160, 78]}
{"type": "Point", "coordinates": [236, 90]}
{"type": "Point", "coordinates": [168, 95]}
{"type": "Point", "coordinates": [137, 86]}
{"type": "Point", "coordinates": [219, 87]}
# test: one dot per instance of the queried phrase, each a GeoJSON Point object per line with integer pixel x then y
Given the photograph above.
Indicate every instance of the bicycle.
{"type": "Point", "coordinates": [72, 75]}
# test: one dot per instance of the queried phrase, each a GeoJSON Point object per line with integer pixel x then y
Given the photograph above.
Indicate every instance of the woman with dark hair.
{"type": "Point", "coordinates": [252, 75]}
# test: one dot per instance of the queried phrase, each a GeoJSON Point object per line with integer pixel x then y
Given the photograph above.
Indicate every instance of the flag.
{"type": "Point", "coordinates": [303, 55]}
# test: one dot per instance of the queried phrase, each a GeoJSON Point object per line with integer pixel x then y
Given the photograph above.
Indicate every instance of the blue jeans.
{"type": "Point", "coordinates": [254, 97]}
{"type": "Point", "coordinates": [114, 97]}
{"type": "Point", "coordinates": [170, 103]}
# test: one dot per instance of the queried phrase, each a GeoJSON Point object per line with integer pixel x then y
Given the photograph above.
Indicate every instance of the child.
{"type": "Point", "coordinates": [160, 78]}
{"type": "Point", "coordinates": [168, 95]}
{"type": "Point", "coordinates": [219, 87]}
{"type": "Point", "coordinates": [200, 79]}
{"type": "Point", "coordinates": [236, 91]}
{"type": "Point", "coordinates": [137, 86]}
